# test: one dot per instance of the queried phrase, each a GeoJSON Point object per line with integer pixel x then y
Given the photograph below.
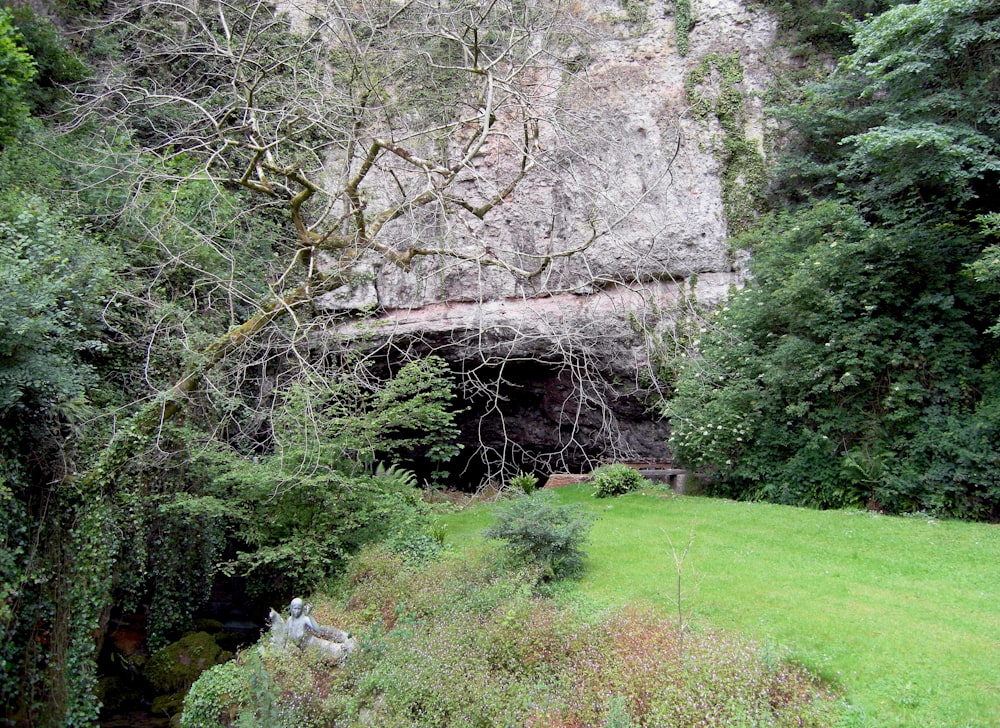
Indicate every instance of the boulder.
{"type": "Point", "coordinates": [177, 666]}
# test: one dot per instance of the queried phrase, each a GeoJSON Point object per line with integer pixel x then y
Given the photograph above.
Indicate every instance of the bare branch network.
{"type": "Point", "coordinates": [351, 116]}
{"type": "Point", "coordinates": [378, 134]}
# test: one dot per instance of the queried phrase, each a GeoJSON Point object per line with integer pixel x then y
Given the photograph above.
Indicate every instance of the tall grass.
{"type": "Point", "coordinates": [902, 613]}
{"type": "Point", "coordinates": [463, 641]}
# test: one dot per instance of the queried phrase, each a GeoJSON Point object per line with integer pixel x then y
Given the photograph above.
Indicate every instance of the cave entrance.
{"type": "Point", "coordinates": [542, 418]}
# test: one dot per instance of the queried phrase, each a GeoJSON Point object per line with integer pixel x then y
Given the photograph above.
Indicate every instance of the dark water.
{"type": "Point", "coordinates": [136, 718]}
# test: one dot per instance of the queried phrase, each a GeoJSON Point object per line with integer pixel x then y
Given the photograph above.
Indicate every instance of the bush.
{"type": "Point", "coordinates": [617, 479]}
{"type": "Point", "coordinates": [547, 534]}
{"type": "Point", "coordinates": [525, 482]}
{"type": "Point", "coordinates": [215, 698]}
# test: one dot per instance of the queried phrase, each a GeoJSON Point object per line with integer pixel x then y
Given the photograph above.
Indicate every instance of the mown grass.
{"type": "Point", "coordinates": [902, 613]}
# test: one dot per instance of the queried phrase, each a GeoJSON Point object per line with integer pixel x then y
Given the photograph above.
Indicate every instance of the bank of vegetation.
{"type": "Point", "coordinates": [858, 367]}
{"type": "Point", "coordinates": [484, 634]}
{"type": "Point", "coordinates": [169, 414]}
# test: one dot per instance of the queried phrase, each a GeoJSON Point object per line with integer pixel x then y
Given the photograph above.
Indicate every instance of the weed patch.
{"type": "Point", "coordinates": [469, 644]}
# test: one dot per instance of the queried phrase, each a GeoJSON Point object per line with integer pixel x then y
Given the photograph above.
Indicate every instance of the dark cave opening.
{"type": "Point", "coordinates": [539, 418]}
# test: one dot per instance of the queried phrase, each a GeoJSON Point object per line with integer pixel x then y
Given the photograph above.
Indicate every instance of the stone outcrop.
{"type": "Point", "coordinates": [555, 368]}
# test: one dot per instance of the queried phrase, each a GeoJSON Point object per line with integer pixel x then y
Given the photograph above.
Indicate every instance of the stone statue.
{"type": "Point", "coordinates": [301, 630]}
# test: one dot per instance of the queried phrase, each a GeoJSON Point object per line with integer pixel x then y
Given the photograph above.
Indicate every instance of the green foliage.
{"type": "Point", "coordinates": [852, 340]}
{"type": "Point", "coordinates": [16, 73]}
{"type": "Point", "coordinates": [215, 697]}
{"type": "Point", "coordinates": [524, 482]}
{"type": "Point", "coordinates": [616, 479]}
{"type": "Point", "coordinates": [462, 642]}
{"type": "Point", "coordinates": [986, 268]}
{"type": "Point", "coordinates": [56, 64]}
{"type": "Point", "coordinates": [858, 342]}
{"type": "Point", "coordinates": [88, 554]}
{"type": "Point", "coordinates": [823, 26]}
{"type": "Point", "coordinates": [54, 280]}
{"type": "Point", "coordinates": [75, 8]}
{"type": "Point", "coordinates": [71, 355]}
{"type": "Point", "coordinates": [862, 471]}
{"type": "Point", "coordinates": [539, 530]}
{"type": "Point", "coordinates": [23, 574]}
{"type": "Point", "coordinates": [618, 716]}
{"type": "Point", "coordinates": [683, 25]}
{"type": "Point", "coordinates": [300, 527]}
{"type": "Point", "coordinates": [363, 420]}
{"type": "Point", "coordinates": [907, 127]}
{"type": "Point", "coordinates": [299, 512]}
{"type": "Point", "coordinates": [397, 475]}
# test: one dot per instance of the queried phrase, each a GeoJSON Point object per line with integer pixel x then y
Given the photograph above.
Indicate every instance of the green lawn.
{"type": "Point", "coordinates": [902, 613]}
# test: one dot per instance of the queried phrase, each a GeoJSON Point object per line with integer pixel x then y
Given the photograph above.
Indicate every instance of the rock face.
{"type": "Point", "coordinates": [556, 368]}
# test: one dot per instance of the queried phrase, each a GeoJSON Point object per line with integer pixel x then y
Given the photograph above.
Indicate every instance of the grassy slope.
{"type": "Point", "coordinates": [904, 613]}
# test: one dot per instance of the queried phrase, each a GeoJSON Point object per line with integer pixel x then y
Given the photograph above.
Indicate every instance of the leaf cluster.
{"type": "Point", "coordinates": [17, 70]}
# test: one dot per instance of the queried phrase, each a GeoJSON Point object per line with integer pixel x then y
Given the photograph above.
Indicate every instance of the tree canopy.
{"type": "Point", "coordinates": [857, 367]}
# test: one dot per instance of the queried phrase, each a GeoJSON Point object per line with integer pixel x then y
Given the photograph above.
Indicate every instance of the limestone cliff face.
{"type": "Point", "coordinates": [633, 170]}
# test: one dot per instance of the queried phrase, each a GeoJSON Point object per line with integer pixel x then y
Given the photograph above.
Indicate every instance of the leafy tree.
{"type": "Point", "coordinates": [907, 125]}
{"type": "Point", "coordinates": [853, 369]}
{"type": "Point", "coordinates": [299, 512]}
{"type": "Point", "coordinates": [850, 343]}
{"type": "Point", "coordinates": [16, 72]}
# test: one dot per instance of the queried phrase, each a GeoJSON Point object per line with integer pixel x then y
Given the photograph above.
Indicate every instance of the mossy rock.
{"type": "Point", "coordinates": [212, 626]}
{"type": "Point", "coordinates": [170, 704]}
{"type": "Point", "coordinates": [175, 667]}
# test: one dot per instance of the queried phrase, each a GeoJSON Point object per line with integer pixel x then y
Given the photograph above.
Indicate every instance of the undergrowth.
{"type": "Point", "coordinates": [464, 641]}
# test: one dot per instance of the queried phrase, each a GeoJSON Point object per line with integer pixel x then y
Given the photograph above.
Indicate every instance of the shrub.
{"type": "Point", "coordinates": [216, 696]}
{"type": "Point", "coordinates": [525, 482]}
{"type": "Point", "coordinates": [547, 534]}
{"type": "Point", "coordinates": [616, 479]}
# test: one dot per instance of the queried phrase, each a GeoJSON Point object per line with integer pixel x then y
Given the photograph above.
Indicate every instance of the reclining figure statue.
{"type": "Point", "coordinates": [301, 630]}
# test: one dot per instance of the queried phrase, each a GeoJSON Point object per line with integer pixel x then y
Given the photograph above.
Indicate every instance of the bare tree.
{"type": "Point", "coordinates": [363, 131]}
{"type": "Point", "coordinates": [383, 132]}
